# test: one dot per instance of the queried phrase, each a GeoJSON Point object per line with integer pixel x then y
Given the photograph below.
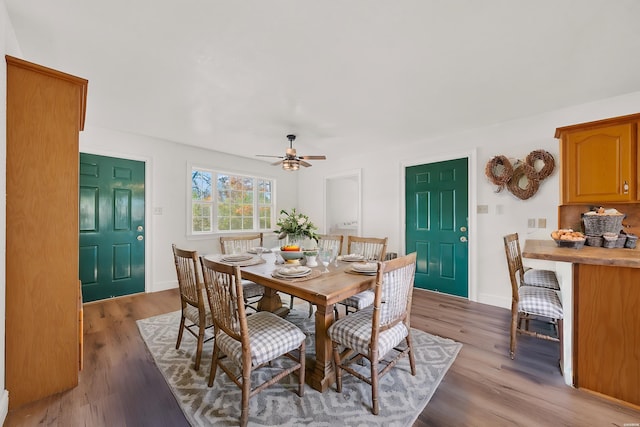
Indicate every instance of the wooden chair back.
{"type": "Point", "coordinates": [394, 288]}
{"type": "Point", "coordinates": [372, 248]}
{"type": "Point", "coordinates": [331, 241]}
{"type": "Point", "coordinates": [225, 295]}
{"type": "Point", "coordinates": [514, 262]}
{"type": "Point", "coordinates": [189, 277]}
{"type": "Point", "coordinates": [240, 243]}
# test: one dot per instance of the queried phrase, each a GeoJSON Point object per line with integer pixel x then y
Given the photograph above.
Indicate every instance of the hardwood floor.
{"type": "Point", "coordinates": [120, 385]}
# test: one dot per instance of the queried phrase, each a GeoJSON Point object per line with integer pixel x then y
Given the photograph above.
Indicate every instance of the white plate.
{"type": "Point", "coordinates": [236, 258]}
{"type": "Point", "coordinates": [367, 267]}
{"type": "Point", "coordinates": [293, 271]}
{"type": "Point", "coordinates": [352, 258]}
{"type": "Point", "coordinates": [254, 251]}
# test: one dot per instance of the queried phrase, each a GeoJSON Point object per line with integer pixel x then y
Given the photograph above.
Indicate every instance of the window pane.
{"type": "Point", "coordinates": [201, 185]}
{"type": "Point", "coordinates": [241, 202]}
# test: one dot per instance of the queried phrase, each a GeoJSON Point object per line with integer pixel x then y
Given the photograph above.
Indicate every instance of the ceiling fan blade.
{"type": "Point", "coordinates": [305, 164]}
{"type": "Point", "coordinates": [277, 163]}
{"type": "Point", "coordinates": [313, 157]}
{"type": "Point", "coordinates": [267, 155]}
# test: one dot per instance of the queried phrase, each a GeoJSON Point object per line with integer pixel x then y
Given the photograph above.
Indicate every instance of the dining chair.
{"type": "Point", "coordinates": [331, 241]}
{"type": "Point", "coordinates": [377, 331]}
{"type": "Point", "coordinates": [244, 243]}
{"type": "Point", "coordinates": [325, 241]}
{"type": "Point", "coordinates": [194, 307]}
{"type": "Point", "coordinates": [530, 276]}
{"type": "Point", "coordinates": [248, 342]}
{"type": "Point", "coordinates": [530, 302]}
{"type": "Point", "coordinates": [240, 243]}
{"type": "Point", "coordinates": [372, 249]}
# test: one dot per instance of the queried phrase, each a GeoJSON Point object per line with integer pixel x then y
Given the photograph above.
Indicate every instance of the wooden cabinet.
{"type": "Point", "coordinates": [45, 112]}
{"type": "Point", "coordinates": [607, 330]}
{"type": "Point", "coordinates": [599, 161]}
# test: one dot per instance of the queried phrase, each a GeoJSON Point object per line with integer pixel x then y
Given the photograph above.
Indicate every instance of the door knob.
{"type": "Point", "coordinates": [463, 239]}
{"type": "Point", "coordinates": [463, 228]}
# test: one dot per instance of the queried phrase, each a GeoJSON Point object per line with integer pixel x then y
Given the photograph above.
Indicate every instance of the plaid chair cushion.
{"type": "Point", "coordinates": [251, 289]}
{"type": "Point", "coordinates": [361, 300]}
{"type": "Point", "coordinates": [192, 314]}
{"type": "Point", "coordinates": [539, 302]}
{"type": "Point", "coordinates": [354, 331]}
{"type": "Point", "coordinates": [541, 278]}
{"type": "Point", "coordinates": [270, 336]}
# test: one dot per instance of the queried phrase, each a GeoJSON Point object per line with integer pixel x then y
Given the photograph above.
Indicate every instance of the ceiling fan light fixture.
{"type": "Point", "coordinates": [290, 165]}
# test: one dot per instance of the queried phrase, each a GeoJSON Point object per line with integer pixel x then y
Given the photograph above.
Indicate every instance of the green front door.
{"type": "Point", "coordinates": [112, 227]}
{"type": "Point", "coordinates": [436, 225]}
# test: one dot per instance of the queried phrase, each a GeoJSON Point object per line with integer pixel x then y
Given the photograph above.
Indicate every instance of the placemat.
{"type": "Point", "coordinates": [312, 275]}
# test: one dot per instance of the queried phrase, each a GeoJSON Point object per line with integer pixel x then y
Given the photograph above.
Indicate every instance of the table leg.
{"type": "Point", "coordinates": [320, 374]}
{"type": "Point", "coordinates": [271, 301]}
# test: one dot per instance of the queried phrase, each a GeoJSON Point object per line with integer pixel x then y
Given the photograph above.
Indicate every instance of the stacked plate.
{"type": "Point", "coordinates": [255, 250]}
{"type": "Point", "coordinates": [292, 272]}
{"type": "Point", "coordinates": [368, 268]}
{"type": "Point", "coordinates": [236, 257]}
{"type": "Point", "coordinates": [352, 258]}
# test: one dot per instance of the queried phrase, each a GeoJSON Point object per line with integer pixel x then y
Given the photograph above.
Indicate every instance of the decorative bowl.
{"type": "Point", "coordinates": [291, 255]}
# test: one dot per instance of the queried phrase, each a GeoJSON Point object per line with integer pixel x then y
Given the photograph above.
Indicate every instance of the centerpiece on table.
{"type": "Point", "coordinates": [296, 227]}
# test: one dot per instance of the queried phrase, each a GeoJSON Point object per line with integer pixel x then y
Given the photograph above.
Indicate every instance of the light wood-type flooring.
{"type": "Point", "coordinates": [120, 385]}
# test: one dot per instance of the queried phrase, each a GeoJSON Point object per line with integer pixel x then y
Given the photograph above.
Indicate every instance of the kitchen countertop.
{"type": "Point", "coordinates": [549, 250]}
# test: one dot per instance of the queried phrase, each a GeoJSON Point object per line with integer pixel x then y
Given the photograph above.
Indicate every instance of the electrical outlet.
{"type": "Point", "coordinates": [542, 222]}
{"type": "Point", "coordinates": [531, 223]}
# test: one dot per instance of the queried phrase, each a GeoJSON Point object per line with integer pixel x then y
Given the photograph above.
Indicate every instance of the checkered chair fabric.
{"type": "Point", "coordinates": [270, 336]}
{"type": "Point", "coordinates": [354, 331]}
{"type": "Point", "coordinates": [360, 301]}
{"type": "Point", "coordinates": [539, 302]}
{"type": "Point", "coordinates": [541, 278]}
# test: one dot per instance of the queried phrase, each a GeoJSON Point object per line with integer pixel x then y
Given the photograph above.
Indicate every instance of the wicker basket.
{"type": "Point", "coordinates": [609, 240]}
{"type": "Point", "coordinates": [597, 225]}
{"type": "Point", "coordinates": [573, 244]}
{"type": "Point", "coordinates": [594, 241]}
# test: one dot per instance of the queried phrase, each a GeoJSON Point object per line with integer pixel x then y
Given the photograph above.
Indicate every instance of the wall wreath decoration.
{"type": "Point", "coordinates": [548, 163]}
{"type": "Point", "coordinates": [523, 179]}
{"type": "Point", "coordinates": [499, 171]}
{"type": "Point", "coordinates": [523, 183]}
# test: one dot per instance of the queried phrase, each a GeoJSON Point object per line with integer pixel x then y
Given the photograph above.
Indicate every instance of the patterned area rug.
{"type": "Point", "coordinates": [402, 396]}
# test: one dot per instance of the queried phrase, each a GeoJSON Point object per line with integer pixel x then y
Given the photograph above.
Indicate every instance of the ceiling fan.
{"type": "Point", "coordinates": [291, 161]}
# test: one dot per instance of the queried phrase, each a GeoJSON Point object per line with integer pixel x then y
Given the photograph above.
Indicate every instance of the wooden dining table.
{"type": "Point", "coordinates": [324, 291]}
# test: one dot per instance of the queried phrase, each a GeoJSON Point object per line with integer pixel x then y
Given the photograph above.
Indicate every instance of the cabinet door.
{"type": "Point", "coordinates": [599, 165]}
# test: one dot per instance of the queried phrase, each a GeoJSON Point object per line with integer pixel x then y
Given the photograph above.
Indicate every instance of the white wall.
{"type": "Point", "coordinates": [167, 180]}
{"type": "Point", "coordinates": [8, 46]}
{"type": "Point", "coordinates": [383, 196]}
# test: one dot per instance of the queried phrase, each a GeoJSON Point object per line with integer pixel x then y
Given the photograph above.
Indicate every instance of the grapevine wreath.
{"type": "Point", "coordinates": [499, 171]}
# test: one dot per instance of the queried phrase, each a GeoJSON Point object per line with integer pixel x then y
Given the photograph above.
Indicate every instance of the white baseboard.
{"type": "Point", "coordinates": [4, 406]}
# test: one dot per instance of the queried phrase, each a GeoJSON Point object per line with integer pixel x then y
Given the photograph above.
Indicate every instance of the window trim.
{"type": "Point", "coordinates": [215, 172]}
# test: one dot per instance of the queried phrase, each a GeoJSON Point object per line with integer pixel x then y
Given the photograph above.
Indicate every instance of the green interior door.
{"type": "Point", "coordinates": [436, 225]}
{"type": "Point", "coordinates": [112, 227]}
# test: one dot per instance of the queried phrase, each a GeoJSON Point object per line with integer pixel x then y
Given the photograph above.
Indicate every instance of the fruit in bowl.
{"type": "Point", "coordinates": [290, 248]}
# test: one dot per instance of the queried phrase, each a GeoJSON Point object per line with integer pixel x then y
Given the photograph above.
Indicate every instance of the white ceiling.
{"type": "Point", "coordinates": [237, 76]}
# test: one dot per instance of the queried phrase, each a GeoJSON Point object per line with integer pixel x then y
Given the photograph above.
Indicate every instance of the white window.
{"type": "Point", "coordinates": [228, 202]}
